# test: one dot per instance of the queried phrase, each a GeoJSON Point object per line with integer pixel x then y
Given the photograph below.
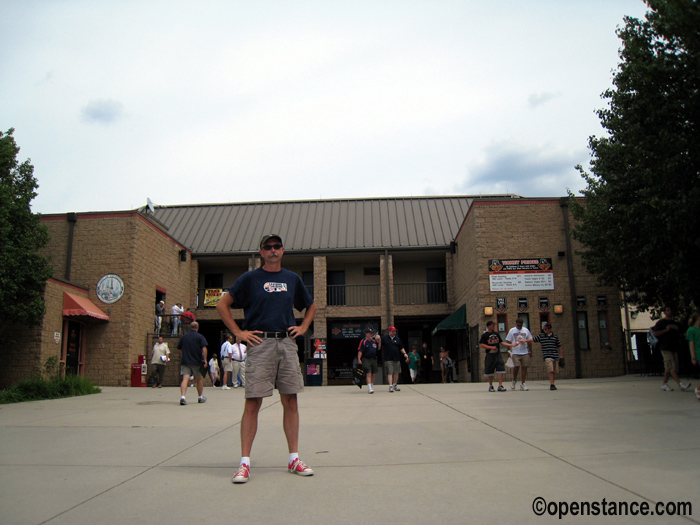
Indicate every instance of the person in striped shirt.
{"type": "Point", "coordinates": [551, 351]}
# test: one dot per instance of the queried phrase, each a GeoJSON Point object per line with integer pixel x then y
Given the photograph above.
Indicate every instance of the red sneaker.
{"type": "Point", "coordinates": [242, 475]}
{"type": "Point", "coordinates": [297, 467]}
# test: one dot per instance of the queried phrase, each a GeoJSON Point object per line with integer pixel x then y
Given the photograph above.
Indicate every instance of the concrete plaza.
{"type": "Point", "coordinates": [438, 453]}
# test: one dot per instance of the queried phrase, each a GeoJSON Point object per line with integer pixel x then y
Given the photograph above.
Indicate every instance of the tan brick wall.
{"type": "Point", "coordinates": [128, 245]}
{"type": "Point", "coordinates": [534, 229]}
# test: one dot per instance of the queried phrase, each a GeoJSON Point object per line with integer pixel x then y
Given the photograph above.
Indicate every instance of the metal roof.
{"type": "Point", "coordinates": [318, 225]}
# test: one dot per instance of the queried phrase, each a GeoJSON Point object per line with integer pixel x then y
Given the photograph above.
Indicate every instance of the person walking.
{"type": "Point", "coordinates": [667, 332]}
{"type": "Point", "coordinates": [551, 352]}
{"type": "Point", "coordinates": [522, 352]}
{"type": "Point", "coordinates": [161, 356]}
{"type": "Point", "coordinates": [194, 362]}
{"type": "Point", "coordinates": [392, 349]}
{"type": "Point", "coordinates": [367, 357]}
{"type": "Point", "coordinates": [268, 296]}
{"type": "Point", "coordinates": [226, 365]}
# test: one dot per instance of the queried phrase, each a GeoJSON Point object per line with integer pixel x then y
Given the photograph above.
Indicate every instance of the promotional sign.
{"type": "Point", "coordinates": [212, 296]}
{"type": "Point", "coordinates": [501, 306]}
{"type": "Point", "coordinates": [522, 304]}
{"type": "Point", "coordinates": [351, 330]}
{"type": "Point", "coordinates": [544, 304]}
{"type": "Point", "coordinates": [521, 274]}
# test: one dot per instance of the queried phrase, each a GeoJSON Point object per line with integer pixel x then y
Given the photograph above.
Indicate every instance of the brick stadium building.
{"type": "Point", "coordinates": [438, 268]}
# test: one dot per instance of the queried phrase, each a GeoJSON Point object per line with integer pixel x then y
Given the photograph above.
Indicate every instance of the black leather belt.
{"type": "Point", "coordinates": [273, 335]}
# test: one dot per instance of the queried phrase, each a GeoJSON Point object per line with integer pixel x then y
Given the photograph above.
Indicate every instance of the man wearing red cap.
{"type": "Point", "coordinates": [392, 348]}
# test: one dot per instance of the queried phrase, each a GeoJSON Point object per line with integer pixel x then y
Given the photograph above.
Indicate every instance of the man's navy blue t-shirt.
{"type": "Point", "coordinates": [268, 299]}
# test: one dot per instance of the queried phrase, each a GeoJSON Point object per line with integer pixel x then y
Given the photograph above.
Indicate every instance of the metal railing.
{"type": "Point", "coordinates": [353, 295]}
{"type": "Point", "coordinates": [420, 293]}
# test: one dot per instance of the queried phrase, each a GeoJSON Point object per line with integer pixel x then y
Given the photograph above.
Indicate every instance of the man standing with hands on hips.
{"type": "Point", "coordinates": [268, 296]}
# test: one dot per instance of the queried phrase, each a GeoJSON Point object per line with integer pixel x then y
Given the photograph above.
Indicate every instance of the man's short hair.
{"type": "Point", "coordinates": [489, 324]}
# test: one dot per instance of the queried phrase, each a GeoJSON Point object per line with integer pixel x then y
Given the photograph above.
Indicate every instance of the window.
{"type": "Point", "coordinates": [501, 320]}
{"type": "Point", "coordinates": [336, 287]}
{"type": "Point", "coordinates": [582, 323]}
{"type": "Point", "coordinates": [213, 280]}
{"type": "Point", "coordinates": [437, 291]}
{"type": "Point", "coordinates": [603, 329]}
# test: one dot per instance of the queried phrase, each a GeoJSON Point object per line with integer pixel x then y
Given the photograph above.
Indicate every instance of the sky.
{"type": "Point", "coordinates": [189, 102]}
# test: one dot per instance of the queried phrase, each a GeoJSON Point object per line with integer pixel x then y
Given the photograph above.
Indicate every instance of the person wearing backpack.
{"type": "Point", "coordinates": [667, 332]}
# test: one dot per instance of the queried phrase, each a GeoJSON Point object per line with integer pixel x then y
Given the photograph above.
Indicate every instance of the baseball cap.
{"type": "Point", "coordinates": [269, 236]}
{"type": "Point", "coordinates": [392, 329]}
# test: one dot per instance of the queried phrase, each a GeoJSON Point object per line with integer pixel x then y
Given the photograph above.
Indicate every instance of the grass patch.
{"type": "Point", "coordinates": [50, 386]}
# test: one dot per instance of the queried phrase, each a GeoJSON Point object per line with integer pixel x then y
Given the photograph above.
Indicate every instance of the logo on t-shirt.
{"type": "Point", "coordinates": [275, 287]}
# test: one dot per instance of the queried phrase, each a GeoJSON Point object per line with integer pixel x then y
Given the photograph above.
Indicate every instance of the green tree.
{"type": "Point", "coordinates": [639, 221]}
{"type": "Point", "coordinates": [23, 272]}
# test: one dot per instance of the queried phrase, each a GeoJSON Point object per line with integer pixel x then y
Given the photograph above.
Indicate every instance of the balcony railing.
{"type": "Point", "coordinates": [353, 295]}
{"type": "Point", "coordinates": [357, 294]}
{"type": "Point", "coordinates": [420, 293]}
{"type": "Point", "coordinates": [208, 297]}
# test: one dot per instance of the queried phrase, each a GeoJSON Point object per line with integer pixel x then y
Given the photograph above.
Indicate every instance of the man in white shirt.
{"type": "Point", "coordinates": [226, 361]}
{"type": "Point", "coordinates": [238, 355]}
{"type": "Point", "coordinates": [522, 352]}
{"type": "Point", "coordinates": [175, 312]}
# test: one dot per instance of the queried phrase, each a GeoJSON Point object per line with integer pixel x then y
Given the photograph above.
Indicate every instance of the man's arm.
{"type": "Point", "coordinates": [224, 308]}
{"type": "Point", "coordinates": [296, 331]}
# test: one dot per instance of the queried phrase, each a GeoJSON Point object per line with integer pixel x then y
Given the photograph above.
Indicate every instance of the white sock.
{"type": "Point", "coordinates": [293, 456]}
{"type": "Point", "coordinates": [245, 461]}
{"type": "Point", "coordinates": [182, 397]}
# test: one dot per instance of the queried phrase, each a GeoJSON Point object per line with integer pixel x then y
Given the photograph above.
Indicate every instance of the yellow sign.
{"type": "Point", "coordinates": [212, 296]}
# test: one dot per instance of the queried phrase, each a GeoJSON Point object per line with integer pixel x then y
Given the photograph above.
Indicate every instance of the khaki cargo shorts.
{"type": "Point", "coordinates": [273, 363]}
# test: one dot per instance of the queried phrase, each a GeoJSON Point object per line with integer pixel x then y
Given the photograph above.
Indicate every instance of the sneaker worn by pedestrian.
{"type": "Point", "coordinates": [501, 388]}
{"type": "Point", "coordinates": [183, 401]}
{"type": "Point", "coordinates": [512, 385]}
{"type": "Point", "coordinates": [297, 467]}
{"type": "Point", "coordinates": [491, 389]}
{"type": "Point", "coordinates": [225, 387]}
{"type": "Point", "coordinates": [202, 400]}
{"type": "Point", "coordinates": [242, 475]}
{"type": "Point", "coordinates": [666, 388]}
{"type": "Point", "coordinates": [685, 386]}
{"type": "Point", "coordinates": [391, 388]}
{"type": "Point", "coordinates": [370, 390]}
{"type": "Point", "coordinates": [523, 387]}
{"type": "Point", "coordinates": [552, 387]}
{"type": "Point", "coordinates": [396, 387]}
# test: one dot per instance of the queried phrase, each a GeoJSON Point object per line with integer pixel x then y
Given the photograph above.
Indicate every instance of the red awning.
{"type": "Point", "coordinates": [82, 308]}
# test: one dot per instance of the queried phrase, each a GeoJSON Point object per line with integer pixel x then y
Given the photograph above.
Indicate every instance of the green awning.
{"type": "Point", "coordinates": [457, 320]}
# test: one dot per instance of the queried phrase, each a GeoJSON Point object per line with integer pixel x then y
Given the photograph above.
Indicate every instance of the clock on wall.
{"type": "Point", "coordinates": [110, 288]}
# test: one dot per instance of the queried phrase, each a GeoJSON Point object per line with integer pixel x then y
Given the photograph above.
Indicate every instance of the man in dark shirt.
{"type": "Point", "coordinates": [493, 361]}
{"type": "Point", "coordinates": [392, 348]}
{"type": "Point", "coordinates": [367, 357]}
{"type": "Point", "coordinates": [193, 362]}
{"type": "Point", "coordinates": [426, 363]}
{"type": "Point", "coordinates": [667, 332]}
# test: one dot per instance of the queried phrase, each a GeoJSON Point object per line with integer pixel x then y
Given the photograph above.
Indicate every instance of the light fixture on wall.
{"type": "Point", "coordinates": [488, 311]}
{"type": "Point", "coordinates": [558, 309]}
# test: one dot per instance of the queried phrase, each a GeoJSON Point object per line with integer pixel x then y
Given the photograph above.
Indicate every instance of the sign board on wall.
{"type": "Point", "coordinates": [506, 275]}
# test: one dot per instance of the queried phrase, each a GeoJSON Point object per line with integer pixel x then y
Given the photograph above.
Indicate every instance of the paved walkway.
{"type": "Point", "coordinates": [435, 453]}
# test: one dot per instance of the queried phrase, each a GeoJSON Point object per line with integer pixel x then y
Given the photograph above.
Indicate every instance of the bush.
{"type": "Point", "coordinates": [49, 386]}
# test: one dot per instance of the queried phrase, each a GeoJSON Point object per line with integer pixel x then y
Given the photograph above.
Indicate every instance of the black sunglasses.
{"type": "Point", "coordinates": [268, 247]}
